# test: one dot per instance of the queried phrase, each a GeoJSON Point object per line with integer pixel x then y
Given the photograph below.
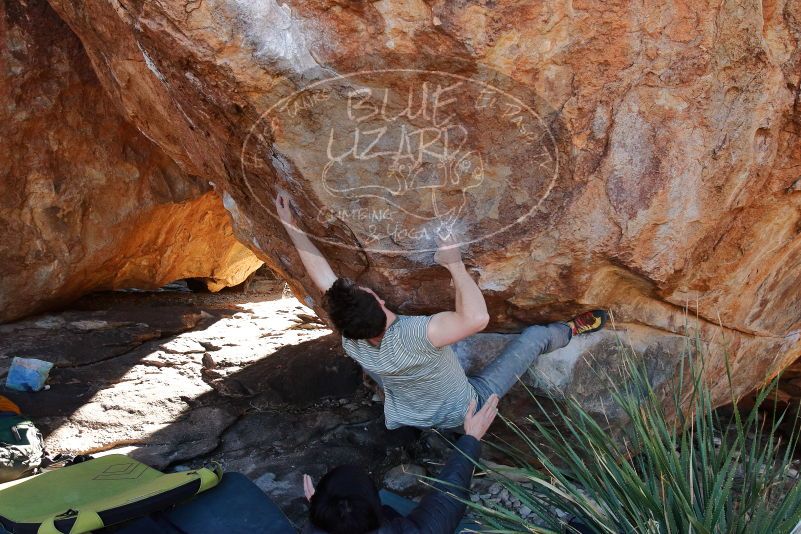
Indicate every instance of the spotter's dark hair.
{"type": "Point", "coordinates": [356, 314]}
{"type": "Point", "coordinates": [346, 502]}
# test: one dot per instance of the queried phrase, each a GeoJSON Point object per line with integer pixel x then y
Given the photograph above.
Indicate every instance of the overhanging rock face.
{"type": "Point", "coordinates": [87, 202]}
{"type": "Point", "coordinates": [643, 158]}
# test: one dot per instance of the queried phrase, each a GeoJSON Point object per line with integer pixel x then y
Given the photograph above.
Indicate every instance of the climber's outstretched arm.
{"type": "Point", "coordinates": [313, 260]}
{"type": "Point", "coordinates": [470, 315]}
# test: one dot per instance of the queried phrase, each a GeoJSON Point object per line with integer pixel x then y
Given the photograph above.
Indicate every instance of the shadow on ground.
{"type": "Point", "coordinates": [253, 382]}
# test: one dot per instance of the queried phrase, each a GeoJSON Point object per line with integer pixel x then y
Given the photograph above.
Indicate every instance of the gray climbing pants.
{"type": "Point", "coordinates": [520, 354]}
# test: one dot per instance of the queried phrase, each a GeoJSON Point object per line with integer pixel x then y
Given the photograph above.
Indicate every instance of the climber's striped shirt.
{"type": "Point", "coordinates": [424, 386]}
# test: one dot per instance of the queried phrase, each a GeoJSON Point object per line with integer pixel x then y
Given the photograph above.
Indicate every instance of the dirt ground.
{"type": "Point", "coordinates": [246, 378]}
{"type": "Point", "coordinates": [176, 379]}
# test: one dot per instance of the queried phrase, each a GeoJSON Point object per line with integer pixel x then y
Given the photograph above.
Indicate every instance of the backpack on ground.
{"type": "Point", "coordinates": [21, 443]}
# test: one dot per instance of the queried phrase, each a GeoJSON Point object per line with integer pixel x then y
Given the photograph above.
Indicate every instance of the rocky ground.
{"type": "Point", "coordinates": [174, 378]}
{"type": "Point", "coordinates": [249, 379]}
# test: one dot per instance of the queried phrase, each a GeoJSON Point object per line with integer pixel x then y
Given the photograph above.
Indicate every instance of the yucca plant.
{"type": "Point", "coordinates": [678, 466]}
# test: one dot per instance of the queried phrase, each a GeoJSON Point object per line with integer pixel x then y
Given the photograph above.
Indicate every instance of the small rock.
{"type": "Point", "coordinates": [268, 482]}
{"type": "Point", "coordinates": [304, 326]}
{"type": "Point", "coordinates": [181, 468]}
{"type": "Point", "coordinates": [182, 346]}
{"type": "Point", "coordinates": [211, 347]}
{"type": "Point", "coordinates": [210, 374]}
{"type": "Point", "coordinates": [154, 362]}
{"type": "Point", "coordinates": [495, 489]}
{"type": "Point", "coordinates": [89, 324]}
{"type": "Point", "coordinates": [51, 321]}
{"type": "Point", "coordinates": [208, 361]}
{"type": "Point", "coordinates": [306, 318]}
{"type": "Point", "coordinates": [403, 477]}
{"type": "Point", "coordinates": [475, 498]}
{"type": "Point", "coordinates": [228, 387]}
{"type": "Point", "coordinates": [524, 510]}
{"type": "Point", "coordinates": [504, 494]}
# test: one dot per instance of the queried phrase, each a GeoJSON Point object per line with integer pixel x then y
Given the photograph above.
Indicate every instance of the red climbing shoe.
{"type": "Point", "coordinates": [587, 322]}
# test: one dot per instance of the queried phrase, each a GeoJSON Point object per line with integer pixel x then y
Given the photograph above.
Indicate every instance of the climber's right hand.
{"type": "Point", "coordinates": [448, 254]}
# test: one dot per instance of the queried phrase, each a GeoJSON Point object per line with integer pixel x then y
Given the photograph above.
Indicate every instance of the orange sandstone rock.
{"type": "Point", "coordinates": [652, 167]}
{"type": "Point", "coordinates": [87, 202]}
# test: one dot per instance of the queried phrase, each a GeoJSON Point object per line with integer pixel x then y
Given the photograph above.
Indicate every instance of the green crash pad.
{"type": "Point", "coordinates": [96, 493]}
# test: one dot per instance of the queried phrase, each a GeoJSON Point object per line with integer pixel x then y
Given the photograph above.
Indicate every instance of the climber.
{"type": "Point", "coordinates": [410, 356]}
{"type": "Point", "coordinates": [346, 500]}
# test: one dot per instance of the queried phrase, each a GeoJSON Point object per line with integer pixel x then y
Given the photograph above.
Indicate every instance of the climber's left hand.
{"type": "Point", "coordinates": [283, 209]}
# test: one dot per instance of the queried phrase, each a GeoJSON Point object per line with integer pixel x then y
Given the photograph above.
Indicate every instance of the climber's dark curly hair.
{"type": "Point", "coordinates": [356, 314]}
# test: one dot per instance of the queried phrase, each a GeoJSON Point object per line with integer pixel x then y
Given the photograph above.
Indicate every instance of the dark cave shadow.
{"type": "Point", "coordinates": [294, 375]}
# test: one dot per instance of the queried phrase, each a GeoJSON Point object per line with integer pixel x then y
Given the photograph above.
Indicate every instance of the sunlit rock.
{"type": "Point", "coordinates": [87, 202]}
{"type": "Point", "coordinates": [638, 157]}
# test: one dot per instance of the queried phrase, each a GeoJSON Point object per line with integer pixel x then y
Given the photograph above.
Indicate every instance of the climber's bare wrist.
{"type": "Point", "coordinates": [456, 268]}
{"type": "Point", "coordinates": [297, 235]}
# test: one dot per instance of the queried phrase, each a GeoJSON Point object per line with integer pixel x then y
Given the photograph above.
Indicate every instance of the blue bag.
{"type": "Point", "coordinates": [27, 374]}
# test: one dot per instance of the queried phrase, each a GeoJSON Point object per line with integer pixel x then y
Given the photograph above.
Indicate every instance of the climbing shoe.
{"type": "Point", "coordinates": [587, 322]}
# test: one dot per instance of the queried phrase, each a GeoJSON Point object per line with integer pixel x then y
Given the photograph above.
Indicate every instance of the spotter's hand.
{"type": "Point", "coordinates": [476, 424]}
{"type": "Point", "coordinates": [308, 487]}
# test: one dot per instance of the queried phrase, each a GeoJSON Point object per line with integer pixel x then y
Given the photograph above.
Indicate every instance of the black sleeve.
{"type": "Point", "coordinates": [438, 512]}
